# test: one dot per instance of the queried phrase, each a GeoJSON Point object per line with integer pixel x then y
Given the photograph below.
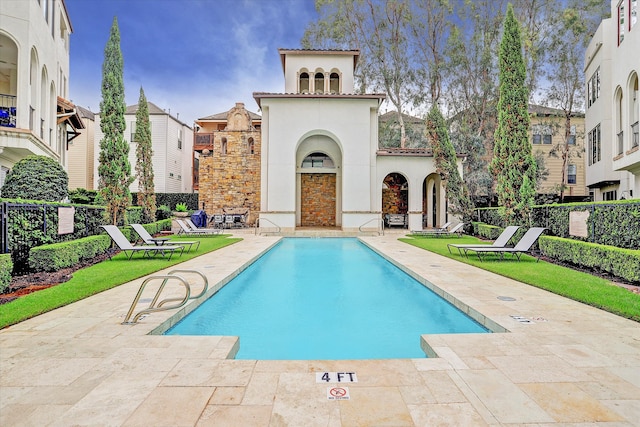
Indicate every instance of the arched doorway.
{"type": "Point", "coordinates": [318, 181]}
{"type": "Point", "coordinates": [433, 202]}
{"type": "Point", "coordinates": [395, 197]}
{"type": "Point", "coordinates": [317, 191]}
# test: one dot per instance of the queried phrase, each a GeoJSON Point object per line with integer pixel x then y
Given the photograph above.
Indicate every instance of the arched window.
{"type": "Point", "coordinates": [251, 146]}
{"type": "Point", "coordinates": [317, 160]}
{"type": "Point", "coordinates": [223, 146]}
{"type": "Point", "coordinates": [619, 122]}
{"type": "Point", "coordinates": [334, 83]}
{"type": "Point", "coordinates": [304, 82]}
{"type": "Point", "coordinates": [319, 83]}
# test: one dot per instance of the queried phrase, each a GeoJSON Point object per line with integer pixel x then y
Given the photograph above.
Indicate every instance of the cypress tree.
{"type": "Point", "coordinates": [114, 170]}
{"type": "Point", "coordinates": [513, 164]}
{"type": "Point", "coordinates": [447, 166]}
{"type": "Point", "coordinates": [144, 165]}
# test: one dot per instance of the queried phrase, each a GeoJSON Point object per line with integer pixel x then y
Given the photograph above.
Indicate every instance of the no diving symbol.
{"type": "Point", "coordinates": [337, 393]}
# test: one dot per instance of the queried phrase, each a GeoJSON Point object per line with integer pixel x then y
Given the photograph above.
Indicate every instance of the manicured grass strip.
{"type": "Point", "coordinates": [100, 277]}
{"type": "Point", "coordinates": [579, 286]}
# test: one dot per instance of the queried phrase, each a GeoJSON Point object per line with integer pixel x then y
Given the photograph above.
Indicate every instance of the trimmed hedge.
{"type": "Point", "coordinates": [623, 263]}
{"type": "Point", "coordinates": [486, 231]}
{"type": "Point", "coordinates": [6, 266]}
{"type": "Point", "coordinates": [614, 223]}
{"type": "Point", "coordinates": [57, 256]}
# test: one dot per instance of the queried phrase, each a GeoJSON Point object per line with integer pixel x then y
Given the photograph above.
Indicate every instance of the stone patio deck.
{"type": "Point", "coordinates": [572, 365]}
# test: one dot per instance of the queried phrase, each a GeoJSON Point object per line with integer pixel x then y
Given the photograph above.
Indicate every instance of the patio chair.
{"type": "Point", "coordinates": [147, 250]}
{"type": "Point", "coordinates": [185, 229]}
{"type": "Point", "coordinates": [149, 239]}
{"type": "Point", "coordinates": [523, 246]}
{"type": "Point", "coordinates": [439, 232]}
{"type": "Point", "coordinates": [502, 241]}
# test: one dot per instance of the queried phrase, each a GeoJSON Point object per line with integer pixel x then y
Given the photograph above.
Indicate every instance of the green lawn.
{"type": "Point", "coordinates": [573, 284]}
{"type": "Point", "coordinates": [100, 277]}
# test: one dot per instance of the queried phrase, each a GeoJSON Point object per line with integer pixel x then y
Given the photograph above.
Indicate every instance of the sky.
{"type": "Point", "coordinates": [193, 58]}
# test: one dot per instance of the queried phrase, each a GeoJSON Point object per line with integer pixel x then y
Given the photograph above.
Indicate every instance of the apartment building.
{"type": "Point", "coordinates": [612, 65]}
{"type": "Point", "coordinates": [563, 157]}
{"type": "Point", "coordinates": [35, 115]}
{"type": "Point", "coordinates": [172, 142]}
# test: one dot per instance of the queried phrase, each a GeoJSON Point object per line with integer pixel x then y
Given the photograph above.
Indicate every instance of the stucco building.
{"type": "Point", "coordinates": [35, 114]}
{"type": "Point", "coordinates": [321, 165]}
{"type": "Point", "coordinates": [612, 65]}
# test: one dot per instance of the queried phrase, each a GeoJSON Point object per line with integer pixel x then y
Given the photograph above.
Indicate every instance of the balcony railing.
{"type": "Point", "coordinates": [635, 138]}
{"type": "Point", "coordinates": [203, 141]}
{"type": "Point", "coordinates": [620, 142]}
{"type": "Point", "coordinates": [8, 111]}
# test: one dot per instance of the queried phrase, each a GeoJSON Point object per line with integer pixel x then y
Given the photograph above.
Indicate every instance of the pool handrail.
{"type": "Point", "coordinates": [380, 230]}
{"type": "Point", "coordinates": [255, 230]}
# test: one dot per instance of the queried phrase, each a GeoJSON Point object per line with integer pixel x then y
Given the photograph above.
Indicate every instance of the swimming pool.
{"type": "Point", "coordinates": [329, 299]}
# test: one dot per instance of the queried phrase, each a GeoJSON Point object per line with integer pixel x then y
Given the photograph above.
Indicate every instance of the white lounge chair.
{"type": "Point", "coordinates": [523, 246]}
{"type": "Point", "coordinates": [186, 229]}
{"type": "Point", "coordinates": [149, 239]}
{"type": "Point", "coordinates": [147, 250]}
{"type": "Point", "coordinates": [502, 241]}
{"type": "Point", "coordinates": [439, 232]}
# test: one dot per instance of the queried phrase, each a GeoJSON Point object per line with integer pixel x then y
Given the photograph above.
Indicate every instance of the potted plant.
{"type": "Point", "coordinates": [181, 210]}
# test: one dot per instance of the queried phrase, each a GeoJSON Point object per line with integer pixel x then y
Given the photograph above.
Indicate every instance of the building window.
{"type": "Point", "coordinates": [572, 136]}
{"type": "Point", "coordinates": [251, 146]}
{"type": "Point", "coordinates": [319, 83]}
{"type": "Point", "coordinates": [536, 132]}
{"type": "Point", "coordinates": [610, 195]}
{"type": "Point", "coordinates": [621, 17]}
{"type": "Point", "coordinates": [180, 139]}
{"type": "Point", "coordinates": [304, 83]}
{"type": "Point", "coordinates": [223, 146]}
{"type": "Point", "coordinates": [334, 83]}
{"type": "Point", "coordinates": [572, 171]}
{"type": "Point", "coordinates": [593, 88]}
{"type": "Point", "coordinates": [633, 13]}
{"type": "Point", "coordinates": [317, 160]}
{"type": "Point", "coordinates": [594, 145]}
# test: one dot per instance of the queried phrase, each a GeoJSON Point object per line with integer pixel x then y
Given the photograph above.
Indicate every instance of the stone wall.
{"type": "Point", "coordinates": [318, 200]}
{"type": "Point", "coordinates": [229, 176]}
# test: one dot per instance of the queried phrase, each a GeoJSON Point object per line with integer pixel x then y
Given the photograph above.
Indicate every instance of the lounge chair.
{"type": "Point", "coordinates": [185, 229]}
{"type": "Point", "coordinates": [147, 250]}
{"type": "Point", "coordinates": [523, 246]}
{"type": "Point", "coordinates": [150, 240]}
{"type": "Point", "coordinates": [439, 232]}
{"type": "Point", "coordinates": [501, 242]}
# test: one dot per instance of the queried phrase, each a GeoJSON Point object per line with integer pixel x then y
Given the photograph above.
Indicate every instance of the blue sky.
{"type": "Point", "coordinates": [192, 57]}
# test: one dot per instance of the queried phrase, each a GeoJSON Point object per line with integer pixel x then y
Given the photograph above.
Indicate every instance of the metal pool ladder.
{"type": "Point", "coordinates": [156, 305]}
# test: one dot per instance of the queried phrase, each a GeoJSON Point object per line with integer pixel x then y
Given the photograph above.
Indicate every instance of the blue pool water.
{"type": "Point", "coordinates": [328, 299]}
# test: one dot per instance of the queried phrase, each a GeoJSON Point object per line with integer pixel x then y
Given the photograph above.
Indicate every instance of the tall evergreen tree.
{"type": "Point", "coordinates": [513, 164]}
{"type": "Point", "coordinates": [114, 170]}
{"type": "Point", "coordinates": [447, 166]}
{"type": "Point", "coordinates": [144, 164]}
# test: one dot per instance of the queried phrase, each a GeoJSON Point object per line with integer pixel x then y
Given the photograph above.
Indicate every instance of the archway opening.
{"type": "Point", "coordinates": [318, 191]}
{"type": "Point", "coordinates": [395, 198]}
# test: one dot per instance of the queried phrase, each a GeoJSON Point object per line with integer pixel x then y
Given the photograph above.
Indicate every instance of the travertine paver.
{"type": "Point", "coordinates": [571, 365]}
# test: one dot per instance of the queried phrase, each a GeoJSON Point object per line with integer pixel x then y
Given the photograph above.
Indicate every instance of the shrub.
{"type": "Point", "coordinates": [37, 178]}
{"type": "Point", "coordinates": [6, 265]}
{"type": "Point", "coordinates": [181, 207]}
{"type": "Point", "coordinates": [56, 256]}
{"type": "Point", "coordinates": [82, 196]}
{"type": "Point", "coordinates": [163, 212]}
{"type": "Point", "coordinates": [623, 263]}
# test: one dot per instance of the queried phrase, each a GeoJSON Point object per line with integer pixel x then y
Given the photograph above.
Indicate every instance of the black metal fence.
{"type": "Point", "coordinates": [26, 225]}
